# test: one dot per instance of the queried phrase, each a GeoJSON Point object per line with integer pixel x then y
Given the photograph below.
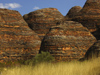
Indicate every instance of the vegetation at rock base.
{"type": "Point", "coordinates": [39, 58]}
{"type": "Point", "coordinates": [90, 67]}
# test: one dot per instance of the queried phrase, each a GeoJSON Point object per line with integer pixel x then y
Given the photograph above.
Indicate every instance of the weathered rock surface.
{"type": "Point", "coordinates": [89, 16]}
{"type": "Point", "coordinates": [73, 11]}
{"type": "Point", "coordinates": [67, 42]}
{"type": "Point", "coordinates": [17, 40]}
{"type": "Point", "coordinates": [41, 20]}
{"type": "Point", "coordinates": [94, 51]}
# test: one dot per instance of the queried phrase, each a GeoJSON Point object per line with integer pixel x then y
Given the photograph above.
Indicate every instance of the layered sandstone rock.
{"type": "Point", "coordinates": [94, 51]}
{"type": "Point", "coordinates": [73, 11]}
{"type": "Point", "coordinates": [89, 16]}
{"type": "Point", "coordinates": [67, 42]}
{"type": "Point", "coordinates": [17, 40]}
{"type": "Point", "coordinates": [41, 20]}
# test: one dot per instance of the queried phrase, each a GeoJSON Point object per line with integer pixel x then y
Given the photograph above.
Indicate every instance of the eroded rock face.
{"type": "Point", "coordinates": [67, 42]}
{"type": "Point", "coordinates": [17, 40]}
{"type": "Point", "coordinates": [89, 16]}
{"type": "Point", "coordinates": [94, 51]}
{"type": "Point", "coordinates": [73, 11]}
{"type": "Point", "coordinates": [41, 20]}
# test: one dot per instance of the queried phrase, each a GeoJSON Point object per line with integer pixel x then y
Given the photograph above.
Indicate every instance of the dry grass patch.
{"type": "Point", "coordinates": [63, 68]}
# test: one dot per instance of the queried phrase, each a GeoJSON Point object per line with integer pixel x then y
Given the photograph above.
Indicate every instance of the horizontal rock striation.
{"type": "Point", "coordinates": [73, 12]}
{"type": "Point", "coordinates": [89, 16]}
{"type": "Point", "coordinates": [17, 40]}
{"type": "Point", "coordinates": [67, 42]}
{"type": "Point", "coordinates": [41, 20]}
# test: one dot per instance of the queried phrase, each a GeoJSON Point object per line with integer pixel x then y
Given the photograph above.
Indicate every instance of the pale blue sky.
{"type": "Point", "coordinates": [26, 6]}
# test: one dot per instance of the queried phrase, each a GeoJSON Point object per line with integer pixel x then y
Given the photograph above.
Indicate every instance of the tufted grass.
{"type": "Point", "coordinates": [91, 67]}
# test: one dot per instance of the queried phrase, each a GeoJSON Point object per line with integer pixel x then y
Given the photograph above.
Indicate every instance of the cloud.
{"type": "Point", "coordinates": [10, 5]}
{"type": "Point", "coordinates": [36, 8]}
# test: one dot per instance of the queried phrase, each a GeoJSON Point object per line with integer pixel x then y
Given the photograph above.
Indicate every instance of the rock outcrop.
{"type": "Point", "coordinates": [94, 51]}
{"type": "Point", "coordinates": [67, 42]}
{"type": "Point", "coordinates": [17, 40]}
{"type": "Point", "coordinates": [89, 16]}
{"type": "Point", "coordinates": [41, 20]}
{"type": "Point", "coordinates": [73, 11]}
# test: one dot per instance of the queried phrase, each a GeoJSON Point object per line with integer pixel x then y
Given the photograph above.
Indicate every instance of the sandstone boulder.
{"type": "Point", "coordinates": [89, 16]}
{"type": "Point", "coordinates": [73, 11]}
{"type": "Point", "coordinates": [41, 20]}
{"type": "Point", "coordinates": [17, 40]}
{"type": "Point", "coordinates": [67, 42]}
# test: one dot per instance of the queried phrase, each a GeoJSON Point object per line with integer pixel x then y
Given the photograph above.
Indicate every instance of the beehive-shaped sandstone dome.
{"type": "Point", "coordinates": [41, 20]}
{"type": "Point", "coordinates": [89, 16]}
{"type": "Point", "coordinates": [73, 11]}
{"type": "Point", "coordinates": [67, 42]}
{"type": "Point", "coordinates": [17, 40]}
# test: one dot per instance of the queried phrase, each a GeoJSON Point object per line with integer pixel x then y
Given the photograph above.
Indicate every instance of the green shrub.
{"type": "Point", "coordinates": [40, 58]}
